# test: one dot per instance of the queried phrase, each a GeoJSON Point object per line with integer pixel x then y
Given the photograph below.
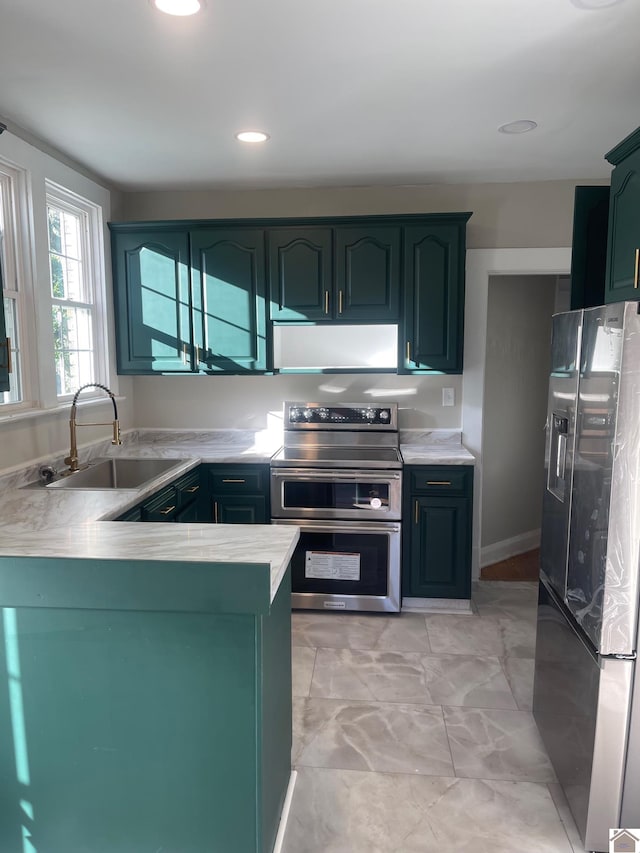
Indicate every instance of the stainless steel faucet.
{"type": "Point", "coordinates": [72, 458]}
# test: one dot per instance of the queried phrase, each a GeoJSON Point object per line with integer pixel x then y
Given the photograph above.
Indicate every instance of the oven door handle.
{"type": "Point", "coordinates": [316, 526]}
{"type": "Point", "coordinates": [331, 474]}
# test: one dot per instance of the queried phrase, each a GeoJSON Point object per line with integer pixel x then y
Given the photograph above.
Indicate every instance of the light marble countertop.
{"type": "Point", "coordinates": [434, 447]}
{"type": "Point", "coordinates": [40, 522]}
{"type": "Point", "coordinates": [71, 523]}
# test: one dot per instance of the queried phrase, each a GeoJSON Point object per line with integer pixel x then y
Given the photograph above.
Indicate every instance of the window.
{"type": "Point", "coordinates": [75, 260]}
{"type": "Point", "coordinates": [10, 289]}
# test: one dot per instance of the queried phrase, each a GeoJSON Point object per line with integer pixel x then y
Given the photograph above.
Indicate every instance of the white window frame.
{"type": "Point", "coordinates": [94, 278]}
{"type": "Point", "coordinates": [18, 279]}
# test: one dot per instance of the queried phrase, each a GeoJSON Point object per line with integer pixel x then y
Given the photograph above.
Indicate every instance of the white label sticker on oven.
{"type": "Point", "coordinates": [332, 565]}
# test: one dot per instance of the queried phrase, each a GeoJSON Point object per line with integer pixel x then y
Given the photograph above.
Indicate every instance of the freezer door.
{"type": "Point", "coordinates": [581, 706]}
{"type": "Point", "coordinates": [602, 577]}
{"type": "Point", "coordinates": [559, 448]}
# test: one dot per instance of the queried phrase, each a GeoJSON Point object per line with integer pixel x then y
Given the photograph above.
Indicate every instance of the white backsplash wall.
{"type": "Point", "coordinates": [255, 402]}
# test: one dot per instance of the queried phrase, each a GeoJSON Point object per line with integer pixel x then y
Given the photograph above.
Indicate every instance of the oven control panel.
{"type": "Point", "coordinates": [345, 416]}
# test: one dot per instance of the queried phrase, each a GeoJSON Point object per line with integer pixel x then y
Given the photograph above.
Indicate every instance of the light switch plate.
{"type": "Point", "coordinates": [448, 397]}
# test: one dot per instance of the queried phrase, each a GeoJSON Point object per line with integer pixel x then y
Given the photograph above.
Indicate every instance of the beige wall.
{"type": "Point", "coordinates": [255, 402]}
{"type": "Point", "coordinates": [515, 215]}
{"type": "Point", "coordinates": [515, 403]}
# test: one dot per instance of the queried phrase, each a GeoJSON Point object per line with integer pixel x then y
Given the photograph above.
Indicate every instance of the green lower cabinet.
{"type": "Point", "coordinates": [237, 509]}
{"type": "Point", "coordinates": [437, 532]}
{"type": "Point", "coordinates": [124, 731]}
{"type": "Point", "coordinates": [237, 494]}
{"type": "Point", "coordinates": [623, 245]}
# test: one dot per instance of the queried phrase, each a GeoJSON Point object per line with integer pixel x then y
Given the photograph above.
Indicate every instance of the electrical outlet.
{"type": "Point", "coordinates": [448, 397]}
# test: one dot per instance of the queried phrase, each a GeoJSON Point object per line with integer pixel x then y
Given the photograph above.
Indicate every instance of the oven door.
{"type": "Point", "coordinates": [339, 565]}
{"type": "Point", "coordinates": [336, 493]}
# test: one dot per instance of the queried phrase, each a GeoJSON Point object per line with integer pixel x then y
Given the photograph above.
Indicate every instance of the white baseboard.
{"type": "Point", "coordinates": [284, 817]}
{"type": "Point", "coordinates": [509, 548]}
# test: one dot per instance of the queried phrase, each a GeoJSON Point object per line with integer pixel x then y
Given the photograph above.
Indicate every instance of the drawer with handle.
{"type": "Point", "coordinates": [238, 479]}
{"type": "Point", "coordinates": [161, 507]}
{"type": "Point", "coordinates": [188, 488]}
{"type": "Point", "coordinates": [441, 480]}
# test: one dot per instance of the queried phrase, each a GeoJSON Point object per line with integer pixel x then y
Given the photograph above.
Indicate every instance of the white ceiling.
{"type": "Point", "coordinates": [353, 92]}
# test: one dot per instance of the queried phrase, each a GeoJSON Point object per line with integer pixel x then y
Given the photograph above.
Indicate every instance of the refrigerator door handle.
{"type": "Point", "coordinates": [561, 459]}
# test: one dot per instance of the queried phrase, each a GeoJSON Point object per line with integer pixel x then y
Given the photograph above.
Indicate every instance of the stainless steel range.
{"type": "Point", "coordinates": [339, 477]}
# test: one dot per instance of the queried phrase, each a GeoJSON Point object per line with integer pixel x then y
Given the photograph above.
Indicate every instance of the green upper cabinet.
{"type": "Point", "coordinates": [623, 244]}
{"type": "Point", "coordinates": [589, 246]}
{"type": "Point", "coordinates": [5, 343]}
{"type": "Point", "coordinates": [342, 273]}
{"type": "Point", "coordinates": [300, 273]}
{"type": "Point", "coordinates": [152, 295]}
{"type": "Point", "coordinates": [367, 273]}
{"type": "Point", "coordinates": [431, 332]}
{"type": "Point", "coordinates": [229, 315]}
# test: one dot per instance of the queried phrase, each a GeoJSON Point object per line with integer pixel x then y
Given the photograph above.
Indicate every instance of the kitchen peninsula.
{"type": "Point", "coordinates": [147, 679]}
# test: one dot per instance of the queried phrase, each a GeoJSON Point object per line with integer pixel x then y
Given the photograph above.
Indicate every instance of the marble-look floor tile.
{"type": "Point", "coordinates": [370, 736]}
{"type": "Point", "coordinates": [346, 811]}
{"type": "Point", "coordinates": [519, 672]}
{"type": "Point", "coordinates": [369, 675]}
{"type": "Point", "coordinates": [497, 744]}
{"type": "Point", "coordinates": [505, 592]}
{"type": "Point", "coordinates": [405, 632]}
{"type": "Point", "coordinates": [464, 635]}
{"type": "Point", "coordinates": [477, 682]}
{"type": "Point", "coordinates": [302, 661]}
{"type": "Point", "coordinates": [561, 804]}
{"type": "Point", "coordinates": [482, 635]}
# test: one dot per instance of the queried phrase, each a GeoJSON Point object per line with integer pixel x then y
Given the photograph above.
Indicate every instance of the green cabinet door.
{"type": "Point", "coordinates": [239, 509]}
{"type": "Point", "coordinates": [439, 552]}
{"type": "Point", "coordinates": [5, 344]}
{"type": "Point", "coordinates": [300, 273]}
{"type": "Point", "coordinates": [367, 273]}
{"type": "Point", "coordinates": [152, 301]}
{"type": "Point", "coordinates": [431, 332]}
{"type": "Point", "coordinates": [229, 292]}
{"type": "Point", "coordinates": [623, 246]}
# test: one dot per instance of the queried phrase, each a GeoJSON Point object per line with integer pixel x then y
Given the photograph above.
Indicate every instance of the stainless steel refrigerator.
{"type": "Point", "coordinates": [587, 687]}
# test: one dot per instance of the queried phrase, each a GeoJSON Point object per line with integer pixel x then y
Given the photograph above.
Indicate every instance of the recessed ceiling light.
{"type": "Point", "coordinates": [178, 7]}
{"type": "Point", "coordinates": [252, 136]}
{"type": "Point", "coordinates": [523, 125]}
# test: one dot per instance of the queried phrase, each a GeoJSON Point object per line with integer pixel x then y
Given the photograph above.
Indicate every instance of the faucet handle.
{"type": "Point", "coordinates": [116, 433]}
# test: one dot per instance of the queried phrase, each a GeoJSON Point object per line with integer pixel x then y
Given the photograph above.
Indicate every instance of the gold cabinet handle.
{"type": "Point", "coordinates": [326, 302]}
{"type": "Point", "coordinates": [408, 350]}
{"type": "Point", "coordinates": [167, 510]}
{"type": "Point", "coordinates": [340, 297]}
{"type": "Point", "coordinates": [234, 481]}
{"type": "Point", "coordinates": [438, 482]}
{"type": "Point", "coordinates": [416, 511]}
{"type": "Point", "coordinates": [7, 345]}
{"type": "Point", "coordinates": [635, 272]}
{"type": "Point", "coordinates": [215, 512]}
{"type": "Point", "coordinates": [192, 489]}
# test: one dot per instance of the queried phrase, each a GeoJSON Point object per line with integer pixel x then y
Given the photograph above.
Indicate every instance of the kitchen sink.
{"type": "Point", "coordinates": [117, 473]}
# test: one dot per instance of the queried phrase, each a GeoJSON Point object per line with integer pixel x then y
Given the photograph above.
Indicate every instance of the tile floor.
{"type": "Point", "coordinates": [414, 734]}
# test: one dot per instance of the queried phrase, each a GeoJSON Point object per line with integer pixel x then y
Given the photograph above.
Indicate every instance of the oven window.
{"type": "Point", "coordinates": [341, 563]}
{"type": "Point", "coordinates": [335, 495]}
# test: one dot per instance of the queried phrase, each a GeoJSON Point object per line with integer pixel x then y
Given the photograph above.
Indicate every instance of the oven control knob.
{"type": "Point", "coordinates": [369, 414]}
{"type": "Point", "coordinates": [294, 414]}
{"type": "Point", "coordinates": [385, 414]}
{"type": "Point", "coordinates": [308, 414]}
{"type": "Point", "coordinates": [323, 413]}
